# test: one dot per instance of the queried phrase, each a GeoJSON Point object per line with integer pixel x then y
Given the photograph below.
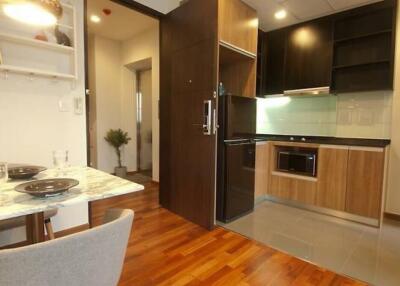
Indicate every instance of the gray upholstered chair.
{"type": "Point", "coordinates": [20, 221]}
{"type": "Point", "coordinates": [90, 258]}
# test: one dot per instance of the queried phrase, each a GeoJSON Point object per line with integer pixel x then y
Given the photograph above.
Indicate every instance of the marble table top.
{"type": "Point", "coordinates": [93, 185]}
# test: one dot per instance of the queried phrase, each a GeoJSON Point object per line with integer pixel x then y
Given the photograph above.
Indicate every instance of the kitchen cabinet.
{"type": "Point", "coordinates": [364, 49]}
{"type": "Point", "coordinates": [261, 63]}
{"type": "Point", "coordinates": [238, 35]}
{"type": "Point", "coordinates": [349, 179]}
{"type": "Point", "coordinates": [352, 51]}
{"type": "Point", "coordinates": [332, 176]}
{"type": "Point", "coordinates": [274, 71]}
{"type": "Point", "coordinates": [238, 25]}
{"type": "Point", "coordinates": [262, 169]}
{"type": "Point", "coordinates": [365, 181]}
{"type": "Point", "coordinates": [294, 188]}
{"type": "Point", "coordinates": [237, 72]}
{"type": "Point", "coordinates": [289, 186]}
{"type": "Point", "coordinates": [309, 53]}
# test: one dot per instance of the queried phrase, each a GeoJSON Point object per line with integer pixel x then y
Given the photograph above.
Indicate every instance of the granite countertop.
{"type": "Point", "coordinates": [323, 140]}
{"type": "Point", "coordinates": [93, 185]}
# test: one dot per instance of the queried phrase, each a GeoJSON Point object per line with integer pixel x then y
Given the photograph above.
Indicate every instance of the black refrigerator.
{"type": "Point", "coordinates": [237, 118]}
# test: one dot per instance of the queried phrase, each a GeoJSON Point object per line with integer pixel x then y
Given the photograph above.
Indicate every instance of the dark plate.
{"type": "Point", "coordinates": [24, 172]}
{"type": "Point", "coordinates": [47, 188]}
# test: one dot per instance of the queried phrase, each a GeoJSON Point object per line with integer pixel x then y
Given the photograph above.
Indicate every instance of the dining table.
{"type": "Point", "coordinates": [93, 185]}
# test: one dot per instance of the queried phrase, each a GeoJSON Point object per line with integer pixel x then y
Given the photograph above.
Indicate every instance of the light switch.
{"type": "Point", "coordinates": [78, 105]}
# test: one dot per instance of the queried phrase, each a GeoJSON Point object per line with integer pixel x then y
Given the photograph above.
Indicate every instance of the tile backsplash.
{"type": "Point", "coordinates": [354, 115]}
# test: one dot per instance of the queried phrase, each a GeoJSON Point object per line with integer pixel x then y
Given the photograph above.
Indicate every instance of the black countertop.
{"type": "Point", "coordinates": [320, 140]}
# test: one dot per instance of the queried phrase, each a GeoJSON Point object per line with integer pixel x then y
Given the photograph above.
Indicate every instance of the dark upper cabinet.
{"type": "Point", "coordinates": [364, 49]}
{"type": "Point", "coordinates": [351, 51]}
{"type": "Point", "coordinates": [309, 54]}
{"type": "Point", "coordinates": [275, 46]}
{"type": "Point", "coordinates": [261, 59]}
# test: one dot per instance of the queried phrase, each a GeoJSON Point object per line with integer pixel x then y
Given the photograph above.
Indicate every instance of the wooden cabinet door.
{"type": "Point", "coordinates": [238, 25]}
{"type": "Point", "coordinates": [188, 78]}
{"type": "Point", "coordinates": [332, 177]}
{"type": "Point", "coordinates": [262, 169]}
{"type": "Point", "coordinates": [365, 181]}
{"type": "Point", "coordinates": [274, 70]}
{"type": "Point", "coordinates": [309, 55]}
{"type": "Point", "coordinates": [290, 188]}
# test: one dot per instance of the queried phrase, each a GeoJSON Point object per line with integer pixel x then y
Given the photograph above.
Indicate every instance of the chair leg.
{"type": "Point", "coordinates": [49, 229]}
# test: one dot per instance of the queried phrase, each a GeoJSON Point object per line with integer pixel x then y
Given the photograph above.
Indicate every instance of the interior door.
{"type": "Point", "coordinates": [188, 83]}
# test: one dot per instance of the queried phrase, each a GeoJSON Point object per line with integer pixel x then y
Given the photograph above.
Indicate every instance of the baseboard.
{"type": "Point", "coordinates": [260, 199]}
{"type": "Point", "coordinates": [57, 234]}
{"type": "Point", "coordinates": [392, 216]}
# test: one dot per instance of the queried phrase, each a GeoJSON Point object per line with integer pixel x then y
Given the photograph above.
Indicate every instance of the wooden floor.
{"type": "Point", "coordinates": [165, 249]}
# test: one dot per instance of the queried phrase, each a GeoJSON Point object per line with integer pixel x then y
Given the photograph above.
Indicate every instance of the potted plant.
{"type": "Point", "coordinates": [117, 139]}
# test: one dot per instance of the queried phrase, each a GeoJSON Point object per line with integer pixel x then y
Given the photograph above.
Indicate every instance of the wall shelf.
{"type": "Point", "coordinates": [36, 43]}
{"type": "Point", "coordinates": [362, 64]}
{"type": "Point", "coordinates": [29, 71]}
{"type": "Point", "coordinates": [65, 26]}
{"type": "Point", "coordinates": [367, 35]}
{"type": "Point", "coordinates": [34, 56]}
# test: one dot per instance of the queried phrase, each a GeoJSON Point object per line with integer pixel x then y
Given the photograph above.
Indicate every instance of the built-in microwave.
{"type": "Point", "coordinates": [298, 161]}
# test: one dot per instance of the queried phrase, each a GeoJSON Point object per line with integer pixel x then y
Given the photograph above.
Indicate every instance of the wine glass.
{"type": "Point", "coordinates": [60, 159]}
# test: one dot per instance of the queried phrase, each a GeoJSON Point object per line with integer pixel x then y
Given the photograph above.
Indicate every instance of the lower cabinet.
{"type": "Point", "coordinates": [332, 177]}
{"type": "Point", "coordinates": [299, 190]}
{"type": "Point", "coordinates": [262, 169]}
{"type": "Point", "coordinates": [365, 181]}
{"type": "Point", "coordinates": [349, 179]}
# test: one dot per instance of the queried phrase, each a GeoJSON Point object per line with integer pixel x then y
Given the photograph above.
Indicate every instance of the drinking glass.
{"type": "Point", "coordinates": [3, 172]}
{"type": "Point", "coordinates": [60, 159]}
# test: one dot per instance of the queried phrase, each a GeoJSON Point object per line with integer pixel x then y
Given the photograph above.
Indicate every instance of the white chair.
{"type": "Point", "coordinates": [90, 258]}
{"type": "Point", "coordinates": [20, 221]}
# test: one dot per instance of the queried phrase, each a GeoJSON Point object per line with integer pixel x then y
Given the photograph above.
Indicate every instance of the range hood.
{"type": "Point", "coordinates": [316, 91]}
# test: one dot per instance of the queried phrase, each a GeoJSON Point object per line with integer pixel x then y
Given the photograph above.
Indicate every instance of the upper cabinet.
{"type": "Point", "coordinates": [272, 74]}
{"type": "Point", "coordinates": [364, 50]}
{"type": "Point", "coordinates": [238, 25]}
{"type": "Point", "coordinates": [238, 35]}
{"type": "Point", "coordinates": [309, 54]}
{"type": "Point", "coordinates": [347, 52]}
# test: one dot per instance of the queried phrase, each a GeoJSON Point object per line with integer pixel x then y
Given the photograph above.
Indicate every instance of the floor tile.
{"type": "Point", "coordinates": [366, 253]}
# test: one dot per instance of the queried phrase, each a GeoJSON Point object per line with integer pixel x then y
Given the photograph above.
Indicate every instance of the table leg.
{"type": "Point", "coordinates": [35, 228]}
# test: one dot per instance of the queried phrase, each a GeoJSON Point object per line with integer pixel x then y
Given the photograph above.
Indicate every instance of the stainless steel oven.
{"type": "Point", "coordinates": [298, 161]}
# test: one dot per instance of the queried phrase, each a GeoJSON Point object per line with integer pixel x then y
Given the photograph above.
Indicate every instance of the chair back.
{"type": "Point", "coordinates": [90, 258]}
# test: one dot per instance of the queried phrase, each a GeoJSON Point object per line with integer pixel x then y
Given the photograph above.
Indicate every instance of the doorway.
{"type": "Point", "coordinates": [144, 123]}
{"type": "Point", "coordinates": [123, 82]}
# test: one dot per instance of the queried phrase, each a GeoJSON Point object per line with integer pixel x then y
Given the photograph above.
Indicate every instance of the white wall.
{"type": "Point", "coordinates": [31, 127]}
{"type": "Point", "coordinates": [113, 106]}
{"type": "Point", "coordinates": [115, 94]}
{"type": "Point", "coordinates": [393, 191]}
{"type": "Point", "coordinates": [143, 46]}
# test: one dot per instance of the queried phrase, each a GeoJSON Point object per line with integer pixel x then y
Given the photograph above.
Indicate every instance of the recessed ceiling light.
{"type": "Point", "coordinates": [31, 13]}
{"type": "Point", "coordinates": [95, 19]}
{"type": "Point", "coordinates": [281, 14]}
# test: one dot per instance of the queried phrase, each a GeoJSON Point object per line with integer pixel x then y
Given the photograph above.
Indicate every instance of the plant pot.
{"type": "Point", "coordinates": [120, 172]}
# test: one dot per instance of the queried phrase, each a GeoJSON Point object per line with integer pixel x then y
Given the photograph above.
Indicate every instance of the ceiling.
{"type": "Point", "coordinates": [298, 10]}
{"type": "Point", "coordinates": [121, 25]}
